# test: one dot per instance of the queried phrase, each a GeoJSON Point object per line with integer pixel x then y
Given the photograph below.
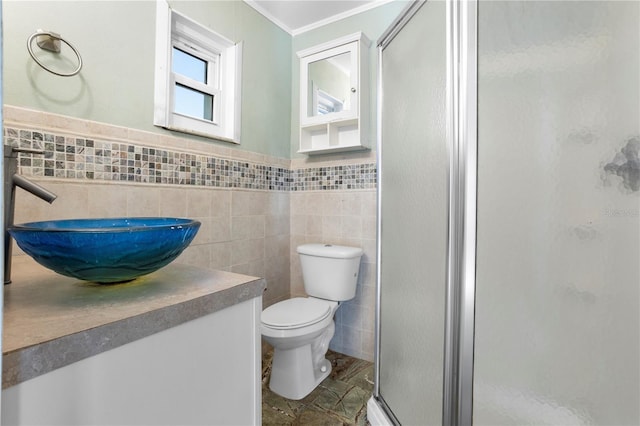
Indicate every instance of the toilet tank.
{"type": "Point", "coordinates": [329, 271]}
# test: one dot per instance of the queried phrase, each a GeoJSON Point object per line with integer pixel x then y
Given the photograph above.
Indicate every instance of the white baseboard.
{"type": "Point", "coordinates": [376, 415]}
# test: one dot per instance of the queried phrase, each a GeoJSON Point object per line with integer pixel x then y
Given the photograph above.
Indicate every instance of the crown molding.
{"type": "Point", "coordinates": [268, 15]}
{"type": "Point", "coordinates": [297, 31]}
{"type": "Point", "coordinates": [340, 16]}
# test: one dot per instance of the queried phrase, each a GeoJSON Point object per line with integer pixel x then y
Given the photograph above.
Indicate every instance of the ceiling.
{"type": "Point", "coordinates": [297, 16]}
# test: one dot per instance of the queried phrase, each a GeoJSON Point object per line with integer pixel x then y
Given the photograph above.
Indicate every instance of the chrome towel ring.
{"type": "Point", "coordinates": [50, 41]}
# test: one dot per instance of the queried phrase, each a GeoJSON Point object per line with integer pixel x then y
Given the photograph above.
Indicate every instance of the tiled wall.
{"type": "Point", "coordinates": [74, 157]}
{"type": "Point", "coordinates": [346, 218]}
{"type": "Point", "coordinates": [242, 231]}
{"type": "Point", "coordinates": [335, 202]}
{"type": "Point", "coordinates": [254, 209]}
{"type": "Point", "coordinates": [333, 177]}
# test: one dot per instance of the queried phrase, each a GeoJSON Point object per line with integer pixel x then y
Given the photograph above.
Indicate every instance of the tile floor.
{"type": "Point", "coordinates": [341, 399]}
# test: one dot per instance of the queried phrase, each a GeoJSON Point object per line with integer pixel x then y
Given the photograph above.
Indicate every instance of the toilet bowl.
{"type": "Point", "coordinates": [299, 344]}
{"type": "Point", "coordinates": [300, 329]}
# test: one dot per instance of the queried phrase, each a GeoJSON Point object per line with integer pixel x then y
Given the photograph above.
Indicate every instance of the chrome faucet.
{"type": "Point", "coordinates": [11, 180]}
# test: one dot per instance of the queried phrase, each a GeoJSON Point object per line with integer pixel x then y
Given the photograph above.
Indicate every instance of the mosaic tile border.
{"type": "Point", "coordinates": [352, 176]}
{"type": "Point", "coordinates": [72, 157]}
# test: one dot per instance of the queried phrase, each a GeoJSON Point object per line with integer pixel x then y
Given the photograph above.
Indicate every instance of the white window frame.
{"type": "Point", "coordinates": [224, 67]}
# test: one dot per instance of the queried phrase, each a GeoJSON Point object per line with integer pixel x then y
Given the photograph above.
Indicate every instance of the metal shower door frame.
{"type": "Point", "coordinates": [461, 112]}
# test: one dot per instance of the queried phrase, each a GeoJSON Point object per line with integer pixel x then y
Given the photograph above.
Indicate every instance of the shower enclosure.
{"type": "Point", "coordinates": [509, 214]}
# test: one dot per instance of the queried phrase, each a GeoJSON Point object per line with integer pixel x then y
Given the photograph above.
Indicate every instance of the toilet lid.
{"type": "Point", "coordinates": [295, 313]}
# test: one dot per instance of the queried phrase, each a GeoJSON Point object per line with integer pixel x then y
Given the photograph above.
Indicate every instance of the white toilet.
{"type": "Point", "coordinates": [301, 328]}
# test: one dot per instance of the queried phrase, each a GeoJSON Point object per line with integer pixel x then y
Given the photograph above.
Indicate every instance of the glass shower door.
{"type": "Point", "coordinates": [558, 234]}
{"type": "Point", "coordinates": [414, 218]}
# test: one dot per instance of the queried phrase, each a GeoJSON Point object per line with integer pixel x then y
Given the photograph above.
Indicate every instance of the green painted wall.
{"type": "Point", "coordinates": [372, 23]}
{"type": "Point", "coordinates": [117, 43]}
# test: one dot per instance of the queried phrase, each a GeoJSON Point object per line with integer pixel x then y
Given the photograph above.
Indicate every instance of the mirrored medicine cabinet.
{"type": "Point", "coordinates": [334, 96]}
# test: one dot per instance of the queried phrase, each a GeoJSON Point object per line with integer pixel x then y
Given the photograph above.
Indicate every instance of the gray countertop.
{"type": "Point", "coordinates": [51, 321]}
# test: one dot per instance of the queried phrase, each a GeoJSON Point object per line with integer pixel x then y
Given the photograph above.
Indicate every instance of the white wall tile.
{"type": "Point", "coordinates": [198, 202]}
{"type": "Point", "coordinates": [142, 201]}
{"type": "Point", "coordinates": [173, 202]}
{"type": "Point", "coordinates": [105, 202]}
{"type": "Point", "coordinates": [347, 218]}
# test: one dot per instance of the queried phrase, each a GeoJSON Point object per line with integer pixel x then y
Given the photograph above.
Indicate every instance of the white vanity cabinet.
{"type": "Point", "coordinates": [180, 346]}
{"type": "Point", "coordinates": [334, 96]}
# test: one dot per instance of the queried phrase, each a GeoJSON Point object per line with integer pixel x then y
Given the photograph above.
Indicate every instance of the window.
{"type": "Point", "coordinates": [197, 80]}
{"type": "Point", "coordinates": [325, 103]}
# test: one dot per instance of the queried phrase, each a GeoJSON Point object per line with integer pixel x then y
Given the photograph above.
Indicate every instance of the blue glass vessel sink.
{"type": "Point", "coordinates": [105, 250]}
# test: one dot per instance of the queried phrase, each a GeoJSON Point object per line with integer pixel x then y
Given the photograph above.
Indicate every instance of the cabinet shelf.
{"type": "Point", "coordinates": [335, 136]}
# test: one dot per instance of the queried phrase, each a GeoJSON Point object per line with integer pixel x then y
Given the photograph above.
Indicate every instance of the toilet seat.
{"type": "Point", "coordinates": [296, 313]}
